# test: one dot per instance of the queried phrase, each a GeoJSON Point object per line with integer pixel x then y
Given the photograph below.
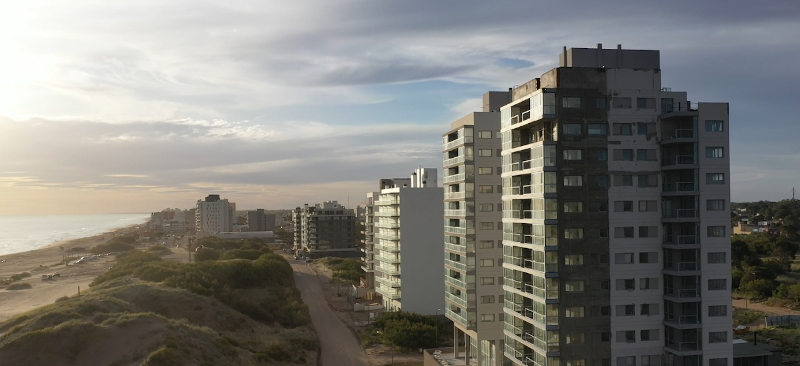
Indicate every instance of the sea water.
{"type": "Point", "coordinates": [23, 233]}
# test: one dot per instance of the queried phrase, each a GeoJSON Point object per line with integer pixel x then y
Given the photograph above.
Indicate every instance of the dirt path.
{"type": "Point", "coordinates": [769, 310]}
{"type": "Point", "coordinates": [338, 344]}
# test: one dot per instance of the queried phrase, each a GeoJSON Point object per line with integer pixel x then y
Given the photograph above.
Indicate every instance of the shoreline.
{"type": "Point", "coordinates": [39, 263]}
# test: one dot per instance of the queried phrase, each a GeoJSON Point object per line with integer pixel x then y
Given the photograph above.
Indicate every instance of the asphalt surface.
{"type": "Point", "coordinates": [339, 346]}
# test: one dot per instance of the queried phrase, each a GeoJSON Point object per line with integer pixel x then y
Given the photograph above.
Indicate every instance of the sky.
{"type": "Point", "coordinates": [135, 106]}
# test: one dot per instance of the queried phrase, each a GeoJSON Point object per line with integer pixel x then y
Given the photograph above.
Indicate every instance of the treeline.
{"type": "Point", "coordinates": [786, 213]}
{"type": "Point", "coordinates": [762, 266]}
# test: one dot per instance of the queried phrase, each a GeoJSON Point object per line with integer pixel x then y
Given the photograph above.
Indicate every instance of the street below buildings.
{"type": "Point", "coordinates": [338, 344]}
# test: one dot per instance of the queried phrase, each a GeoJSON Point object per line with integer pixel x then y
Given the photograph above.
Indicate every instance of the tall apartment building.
{"type": "Point", "coordinates": [259, 220]}
{"type": "Point", "coordinates": [615, 217]}
{"type": "Point", "coordinates": [368, 241]}
{"type": "Point", "coordinates": [407, 247]}
{"type": "Point", "coordinates": [214, 215]}
{"type": "Point", "coordinates": [325, 228]}
{"type": "Point", "coordinates": [473, 231]}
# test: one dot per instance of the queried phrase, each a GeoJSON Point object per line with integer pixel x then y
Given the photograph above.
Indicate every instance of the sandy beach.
{"type": "Point", "coordinates": [48, 261]}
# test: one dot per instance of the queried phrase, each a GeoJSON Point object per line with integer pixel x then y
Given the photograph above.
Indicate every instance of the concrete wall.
{"type": "Point", "coordinates": [422, 250]}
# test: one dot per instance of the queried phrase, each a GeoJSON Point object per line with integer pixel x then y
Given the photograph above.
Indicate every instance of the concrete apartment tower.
{"type": "Point", "coordinates": [473, 232]}
{"type": "Point", "coordinates": [259, 220]}
{"type": "Point", "coordinates": [369, 240]}
{"type": "Point", "coordinates": [326, 228]}
{"type": "Point", "coordinates": [615, 214]}
{"type": "Point", "coordinates": [407, 249]}
{"type": "Point", "coordinates": [214, 215]}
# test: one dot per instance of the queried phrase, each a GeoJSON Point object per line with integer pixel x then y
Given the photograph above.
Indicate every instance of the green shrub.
{"type": "Point", "coordinates": [19, 286]}
{"type": "Point", "coordinates": [19, 276]}
{"type": "Point", "coordinates": [206, 254]}
{"type": "Point", "coordinates": [251, 254]}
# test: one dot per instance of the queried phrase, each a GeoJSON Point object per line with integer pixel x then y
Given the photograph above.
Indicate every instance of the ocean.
{"type": "Point", "coordinates": [23, 233]}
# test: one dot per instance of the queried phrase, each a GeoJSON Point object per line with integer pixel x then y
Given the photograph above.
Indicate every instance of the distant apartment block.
{"type": "Point", "coordinates": [214, 215]}
{"type": "Point", "coordinates": [473, 231]}
{"type": "Point", "coordinates": [616, 223]}
{"type": "Point", "coordinates": [258, 220]}
{"type": "Point", "coordinates": [407, 250]}
{"type": "Point", "coordinates": [368, 241]}
{"type": "Point", "coordinates": [325, 228]}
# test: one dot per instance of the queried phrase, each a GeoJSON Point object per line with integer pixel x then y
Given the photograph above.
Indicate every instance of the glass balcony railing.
{"type": "Point", "coordinates": [454, 178]}
{"type": "Point", "coordinates": [679, 187]}
{"type": "Point", "coordinates": [457, 142]}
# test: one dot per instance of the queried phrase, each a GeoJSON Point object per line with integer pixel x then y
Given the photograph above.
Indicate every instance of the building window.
{"type": "Point", "coordinates": [718, 362]}
{"type": "Point", "coordinates": [667, 105]}
{"type": "Point", "coordinates": [648, 283]}
{"type": "Point", "coordinates": [718, 337]}
{"type": "Point", "coordinates": [597, 129]}
{"type": "Point", "coordinates": [648, 231]}
{"type": "Point", "coordinates": [627, 336]}
{"type": "Point", "coordinates": [573, 154]}
{"type": "Point", "coordinates": [623, 258]}
{"type": "Point", "coordinates": [573, 260]}
{"type": "Point", "coordinates": [714, 126]}
{"type": "Point", "coordinates": [646, 154]}
{"type": "Point", "coordinates": [716, 231]}
{"type": "Point", "coordinates": [648, 309]}
{"type": "Point", "coordinates": [484, 152]}
{"type": "Point", "coordinates": [623, 232]}
{"type": "Point", "coordinates": [486, 244]}
{"type": "Point", "coordinates": [573, 207]}
{"type": "Point", "coordinates": [717, 310]}
{"type": "Point", "coordinates": [573, 129]}
{"type": "Point", "coordinates": [487, 262]}
{"type": "Point", "coordinates": [643, 128]}
{"type": "Point", "coordinates": [716, 258]}
{"type": "Point", "coordinates": [600, 103]}
{"type": "Point", "coordinates": [645, 103]}
{"type": "Point", "coordinates": [715, 178]}
{"type": "Point", "coordinates": [647, 180]}
{"type": "Point", "coordinates": [488, 299]}
{"type": "Point", "coordinates": [573, 233]}
{"type": "Point", "coordinates": [648, 335]}
{"type": "Point", "coordinates": [485, 170]}
{"type": "Point", "coordinates": [599, 181]}
{"type": "Point", "coordinates": [484, 134]}
{"type": "Point", "coordinates": [600, 154]}
{"type": "Point", "coordinates": [715, 205]}
{"type": "Point", "coordinates": [624, 180]}
{"type": "Point", "coordinates": [715, 152]}
{"type": "Point", "coordinates": [573, 286]}
{"type": "Point", "coordinates": [571, 102]}
{"type": "Point", "coordinates": [648, 257]}
{"type": "Point", "coordinates": [487, 226]}
{"type": "Point", "coordinates": [623, 129]}
{"type": "Point", "coordinates": [623, 206]}
{"type": "Point", "coordinates": [716, 284]}
{"type": "Point", "coordinates": [487, 207]}
{"type": "Point", "coordinates": [487, 280]}
{"type": "Point", "coordinates": [574, 312]}
{"type": "Point", "coordinates": [485, 189]}
{"type": "Point", "coordinates": [487, 317]}
{"type": "Point", "coordinates": [621, 102]}
{"type": "Point", "coordinates": [647, 205]}
{"type": "Point", "coordinates": [626, 284]}
{"type": "Point", "coordinates": [626, 310]}
{"type": "Point", "coordinates": [623, 154]}
{"type": "Point", "coordinates": [575, 338]}
{"type": "Point", "coordinates": [573, 181]}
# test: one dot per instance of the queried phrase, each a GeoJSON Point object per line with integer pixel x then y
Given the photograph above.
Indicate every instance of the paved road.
{"type": "Point", "coordinates": [770, 310]}
{"type": "Point", "coordinates": [339, 345]}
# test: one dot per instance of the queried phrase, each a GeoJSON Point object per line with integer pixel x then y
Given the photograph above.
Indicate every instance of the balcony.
{"type": "Point", "coordinates": [682, 266]}
{"type": "Point", "coordinates": [680, 214]}
{"type": "Point", "coordinates": [682, 295]}
{"type": "Point", "coordinates": [455, 161]}
{"type": "Point", "coordinates": [388, 213]}
{"type": "Point", "coordinates": [387, 201]}
{"type": "Point", "coordinates": [392, 237]}
{"type": "Point", "coordinates": [458, 195]}
{"type": "Point", "coordinates": [457, 265]}
{"type": "Point", "coordinates": [455, 282]}
{"type": "Point", "coordinates": [678, 161]}
{"type": "Point", "coordinates": [455, 299]}
{"type": "Point", "coordinates": [683, 321]}
{"type": "Point", "coordinates": [682, 348]}
{"type": "Point", "coordinates": [458, 142]}
{"type": "Point", "coordinates": [680, 240]}
{"type": "Point", "coordinates": [391, 259]}
{"type": "Point", "coordinates": [456, 212]}
{"type": "Point", "coordinates": [388, 282]}
{"type": "Point", "coordinates": [458, 230]}
{"type": "Point", "coordinates": [454, 178]}
{"type": "Point", "coordinates": [679, 187]}
{"type": "Point", "coordinates": [679, 135]}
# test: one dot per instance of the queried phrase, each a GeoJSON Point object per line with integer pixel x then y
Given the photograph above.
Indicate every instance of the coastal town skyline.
{"type": "Point", "coordinates": [134, 107]}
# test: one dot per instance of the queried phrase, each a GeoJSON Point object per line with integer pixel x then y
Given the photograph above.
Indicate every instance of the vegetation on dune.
{"type": "Point", "coordinates": [242, 310]}
{"type": "Point", "coordinates": [762, 267]}
{"type": "Point", "coordinates": [122, 243]}
{"type": "Point", "coordinates": [408, 331]}
{"type": "Point", "coordinates": [19, 286]}
{"type": "Point", "coordinates": [345, 269]}
{"type": "Point", "coordinates": [159, 250]}
{"type": "Point", "coordinates": [745, 317]}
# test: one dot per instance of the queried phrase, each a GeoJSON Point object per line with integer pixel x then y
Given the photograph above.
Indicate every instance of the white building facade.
{"type": "Point", "coordinates": [214, 215]}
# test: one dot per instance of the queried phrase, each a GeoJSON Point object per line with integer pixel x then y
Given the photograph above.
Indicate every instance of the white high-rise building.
{"type": "Point", "coordinates": [615, 217]}
{"type": "Point", "coordinates": [214, 215]}
{"type": "Point", "coordinates": [407, 248]}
